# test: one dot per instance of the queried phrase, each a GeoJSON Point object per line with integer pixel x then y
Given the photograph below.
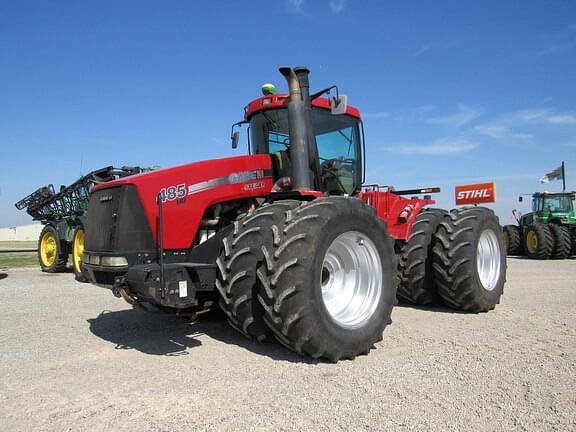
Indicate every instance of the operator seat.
{"type": "Point", "coordinates": [337, 178]}
{"type": "Point", "coordinates": [281, 164]}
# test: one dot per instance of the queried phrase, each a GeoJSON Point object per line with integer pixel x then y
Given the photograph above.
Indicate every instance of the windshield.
{"type": "Point", "coordinates": [337, 140]}
{"type": "Point", "coordinates": [562, 204]}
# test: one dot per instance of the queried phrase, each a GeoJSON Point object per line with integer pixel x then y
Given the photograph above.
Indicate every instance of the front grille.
{"type": "Point", "coordinates": [117, 222]}
{"type": "Point", "coordinates": [102, 217]}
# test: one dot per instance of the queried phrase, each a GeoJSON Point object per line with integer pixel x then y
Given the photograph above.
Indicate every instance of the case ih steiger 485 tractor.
{"type": "Point", "coordinates": [287, 239]}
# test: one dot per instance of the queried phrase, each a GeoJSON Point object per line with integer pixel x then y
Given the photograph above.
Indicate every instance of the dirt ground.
{"type": "Point", "coordinates": [75, 358]}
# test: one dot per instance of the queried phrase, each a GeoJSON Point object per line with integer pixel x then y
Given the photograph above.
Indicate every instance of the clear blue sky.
{"type": "Point", "coordinates": [452, 92]}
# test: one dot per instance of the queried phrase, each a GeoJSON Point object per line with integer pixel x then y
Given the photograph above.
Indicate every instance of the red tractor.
{"type": "Point", "coordinates": [287, 240]}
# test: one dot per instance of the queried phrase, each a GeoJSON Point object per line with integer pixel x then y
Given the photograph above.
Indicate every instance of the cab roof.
{"type": "Point", "coordinates": [280, 101]}
{"type": "Point", "coordinates": [550, 194]}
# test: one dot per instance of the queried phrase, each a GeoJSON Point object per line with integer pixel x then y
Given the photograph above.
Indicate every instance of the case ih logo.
{"type": "Point", "coordinates": [475, 194]}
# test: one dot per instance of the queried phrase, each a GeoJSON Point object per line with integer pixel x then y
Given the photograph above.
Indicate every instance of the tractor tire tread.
{"type": "Point", "coordinates": [454, 260]}
{"type": "Point", "coordinates": [237, 266]}
{"type": "Point", "coordinates": [415, 275]}
{"type": "Point", "coordinates": [514, 236]}
{"type": "Point", "coordinates": [562, 242]}
{"type": "Point", "coordinates": [545, 243]}
{"type": "Point", "coordinates": [61, 262]}
{"type": "Point", "coordinates": [288, 313]}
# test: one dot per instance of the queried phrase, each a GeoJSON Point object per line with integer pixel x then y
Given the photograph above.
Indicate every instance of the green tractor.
{"type": "Point", "coordinates": [63, 215]}
{"type": "Point", "coordinates": [548, 231]}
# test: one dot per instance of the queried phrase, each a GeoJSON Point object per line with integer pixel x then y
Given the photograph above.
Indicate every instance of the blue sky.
{"type": "Point", "coordinates": [451, 92]}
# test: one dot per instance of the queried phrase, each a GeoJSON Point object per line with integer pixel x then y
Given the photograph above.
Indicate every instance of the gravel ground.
{"type": "Point", "coordinates": [73, 357]}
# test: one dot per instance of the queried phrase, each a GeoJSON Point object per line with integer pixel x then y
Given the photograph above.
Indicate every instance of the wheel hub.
{"type": "Point", "coordinates": [351, 279]}
{"type": "Point", "coordinates": [488, 256]}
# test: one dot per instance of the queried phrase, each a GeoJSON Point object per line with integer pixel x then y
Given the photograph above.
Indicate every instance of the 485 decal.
{"type": "Point", "coordinates": [179, 192]}
{"type": "Point", "coordinates": [172, 193]}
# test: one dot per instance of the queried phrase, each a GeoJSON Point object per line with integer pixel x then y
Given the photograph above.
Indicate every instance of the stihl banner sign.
{"type": "Point", "coordinates": [476, 193]}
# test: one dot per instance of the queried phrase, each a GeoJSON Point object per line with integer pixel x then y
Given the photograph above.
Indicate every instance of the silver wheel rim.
{"type": "Point", "coordinates": [488, 259]}
{"type": "Point", "coordinates": [351, 279]}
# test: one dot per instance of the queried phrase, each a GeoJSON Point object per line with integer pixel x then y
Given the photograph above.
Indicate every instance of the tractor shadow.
{"type": "Point", "coordinates": [3, 275]}
{"type": "Point", "coordinates": [519, 257]}
{"type": "Point", "coordinates": [432, 308]}
{"type": "Point", "coordinates": [525, 258]}
{"type": "Point", "coordinates": [173, 335]}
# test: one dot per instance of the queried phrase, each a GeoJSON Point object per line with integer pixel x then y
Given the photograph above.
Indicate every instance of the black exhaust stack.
{"type": "Point", "coordinates": [300, 126]}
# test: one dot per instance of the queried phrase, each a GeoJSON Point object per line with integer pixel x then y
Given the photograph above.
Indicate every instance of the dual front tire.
{"type": "Point", "coordinates": [324, 276]}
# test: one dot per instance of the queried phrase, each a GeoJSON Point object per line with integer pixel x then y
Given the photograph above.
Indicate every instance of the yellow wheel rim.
{"type": "Point", "coordinates": [48, 249]}
{"type": "Point", "coordinates": [532, 242]}
{"type": "Point", "coordinates": [78, 251]}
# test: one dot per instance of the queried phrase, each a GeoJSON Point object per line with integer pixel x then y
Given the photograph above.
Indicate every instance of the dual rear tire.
{"type": "Point", "coordinates": [456, 258]}
{"type": "Point", "coordinates": [562, 242]}
{"type": "Point", "coordinates": [547, 241]}
{"type": "Point", "coordinates": [469, 260]}
{"type": "Point", "coordinates": [416, 283]}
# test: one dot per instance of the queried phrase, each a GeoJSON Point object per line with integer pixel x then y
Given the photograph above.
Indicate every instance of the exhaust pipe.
{"type": "Point", "coordinates": [300, 125]}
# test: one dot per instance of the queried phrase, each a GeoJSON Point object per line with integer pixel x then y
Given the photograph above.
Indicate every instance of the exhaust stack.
{"type": "Point", "coordinates": [300, 125]}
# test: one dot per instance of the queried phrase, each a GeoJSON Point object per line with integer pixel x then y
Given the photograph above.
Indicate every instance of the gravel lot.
{"type": "Point", "coordinates": [73, 357]}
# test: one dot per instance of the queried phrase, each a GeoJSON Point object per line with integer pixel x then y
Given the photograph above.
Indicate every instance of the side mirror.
{"type": "Point", "coordinates": [339, 104]}
{"type": "Point", "coordinates": [520, 199]}
{"type": "Point", "coordinates": [235, 139]}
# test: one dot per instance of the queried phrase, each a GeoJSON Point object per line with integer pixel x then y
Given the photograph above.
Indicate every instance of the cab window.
{"type": "Point", "coordinates": [337, 141]}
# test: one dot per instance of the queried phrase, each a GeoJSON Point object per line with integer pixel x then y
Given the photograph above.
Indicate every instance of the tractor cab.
{"type": "Point", "coordinates": [550, 207]}
{"type": "Point", "coordinates": [334, 160]}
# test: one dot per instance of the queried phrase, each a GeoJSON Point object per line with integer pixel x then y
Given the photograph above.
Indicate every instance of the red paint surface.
{"type": "Point", "coordinates": [280, 100]}
{"type": "Point", "coordinates": [182, 220]}
{"type": "Point", "coordinates": [389, 206]}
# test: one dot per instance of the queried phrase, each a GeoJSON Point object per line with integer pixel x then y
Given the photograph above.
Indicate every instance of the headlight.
{"type": "Point", "coordinates": [91, 259]}
{"type": "Point", "coordinates": [109, 261]}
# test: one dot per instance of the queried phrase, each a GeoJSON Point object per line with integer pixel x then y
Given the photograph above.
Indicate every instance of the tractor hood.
{"type": "Point", "coordinates": [186, 191]}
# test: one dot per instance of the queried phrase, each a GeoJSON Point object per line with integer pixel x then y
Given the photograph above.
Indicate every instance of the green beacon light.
{"type": "Point", "coordinates": [269, 89]}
